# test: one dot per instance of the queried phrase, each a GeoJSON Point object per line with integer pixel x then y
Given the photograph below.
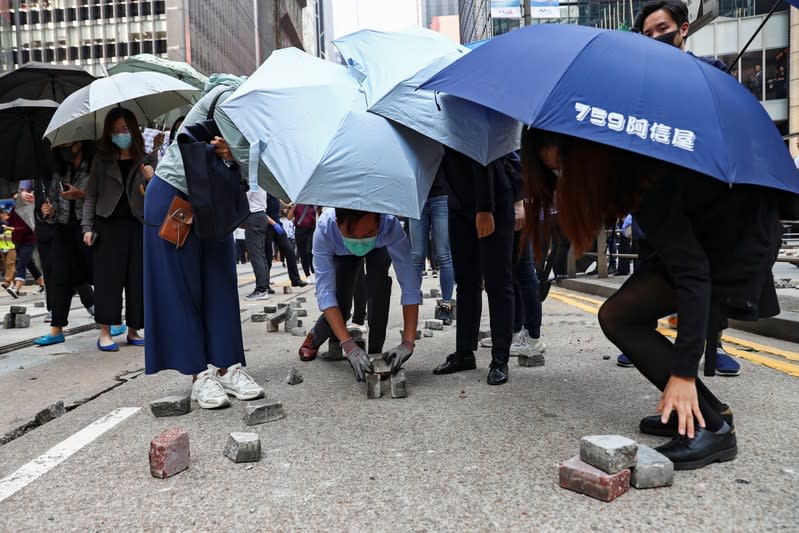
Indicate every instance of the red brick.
{"type": "Point", "coordinates": [583, 478]}
{"type": "Point", "coordinates": [169, 453]}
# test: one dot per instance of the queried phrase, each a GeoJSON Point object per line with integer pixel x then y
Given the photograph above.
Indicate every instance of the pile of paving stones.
{"type": "Point", "coordinates": [17, 317]}
{"type": "Point", "coordinates": [169, 451]}
{"type": "Point", "coordinates": [609, 464]}
{"type": "Point", "coordinates": [382, 373]}
{"type": "Point", "coordinates": [288, 314]}
{"type": "Point", "coordinates": [786, 283]}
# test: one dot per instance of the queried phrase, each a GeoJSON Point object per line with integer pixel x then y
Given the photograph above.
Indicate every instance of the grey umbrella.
{"type": "Point", "coordinates": [41, 81]}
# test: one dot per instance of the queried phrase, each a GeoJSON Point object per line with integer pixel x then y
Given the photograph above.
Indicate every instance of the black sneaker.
{"type": "Point", "coordinates": [299, 283]}
{"type": "Point", "coordinates": [270, 290]}
{"type": "Point", "coordinates": [444, 314]}
{"type": "Point", "coordinates": [651, 425]}
{"type": "Point", "coordinates": [497, 373]}
{"type": "Point", "coordinates": [706, 447]}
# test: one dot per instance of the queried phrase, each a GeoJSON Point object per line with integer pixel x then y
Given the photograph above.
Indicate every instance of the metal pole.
{"type": "Point", "coordinates": [527, 11]}
{"type": "Point", "coordinates": [752, 38]}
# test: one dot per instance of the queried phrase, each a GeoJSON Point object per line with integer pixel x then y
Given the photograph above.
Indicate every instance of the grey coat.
{"type": "Point", "coordinates": [105, 188]}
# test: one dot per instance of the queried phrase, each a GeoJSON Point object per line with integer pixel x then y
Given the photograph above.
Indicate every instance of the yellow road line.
{"type": "Point", "coordinates": [782, 366]}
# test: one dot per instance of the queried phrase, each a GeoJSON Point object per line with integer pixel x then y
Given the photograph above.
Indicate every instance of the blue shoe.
{"type": "Point", "coordinates": [109, 348]}
{"type": "Point", "coordinates": [624, 361]}
{"type": "Point", "coordinates": [47, 340]}
{"type": "Point", "coordinates": [135, 342]}
{"type": "Point", "coordinates": [118, 330]}
{"type": "Point", "coordinates": [726, 365]}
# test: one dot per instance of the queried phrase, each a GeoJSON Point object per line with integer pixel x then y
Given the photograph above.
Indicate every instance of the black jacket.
{"type": "Point", "coordinates": [471, 186]}
{"type": "Point", "coordinates": [715, 243]}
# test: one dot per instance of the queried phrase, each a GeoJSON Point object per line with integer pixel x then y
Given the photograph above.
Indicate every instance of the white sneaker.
{"type": "Point", "coordinates": [238, 383]}
{"type": "Point", "coordinates": [311, 279]}
{"type": "Point", "coordinates": [523, 344]}
{"type": "Point", "coordinates": [208, 391]}
{"type": "Point", "coordinates": [487, 342]}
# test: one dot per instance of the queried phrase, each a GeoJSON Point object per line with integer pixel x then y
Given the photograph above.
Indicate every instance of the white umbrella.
{"type": "Point", "coordinates": [146, 94]}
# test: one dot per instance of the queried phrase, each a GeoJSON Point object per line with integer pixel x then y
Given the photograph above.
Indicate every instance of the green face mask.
{"type": "Point", "coordinates": [359, 247]}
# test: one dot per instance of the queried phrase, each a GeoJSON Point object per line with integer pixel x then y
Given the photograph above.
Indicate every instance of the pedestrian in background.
{"type": "Point", "coordinates": [240, 235]}
{"type": "Point", "coordinates": [256, 236]}
{"type": "Point", "coordinates": [113, 212]}
{"type": "Point", "coordinates": [7, 250]}
{"type": "Point", "coordinates": [275, 234]}
{"type": "Point", "coordinates": [304, 218]}
{"type": "Point", "coordinates": [21, 220]}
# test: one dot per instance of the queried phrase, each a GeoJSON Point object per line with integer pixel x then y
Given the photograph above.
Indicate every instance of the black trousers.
{"type": "Point", "coordinates": [360, 298]}
{"type": "Point", "coordinates": [45, 248]}
{"type": "Point", "coordinates": [629, 320]}
{"type": "Point", "coordinates": [118, 265]}
{"type": "Point", "coordinates": [286, 250]}
{"type": "Point", "coordinates": [489, 262]}
{"type": "Point", "coordinates": [71, 272]}
{"type": "Point", "coordinates": [304, 238]}
{"type": "Point", "coordinates": [379, 288]}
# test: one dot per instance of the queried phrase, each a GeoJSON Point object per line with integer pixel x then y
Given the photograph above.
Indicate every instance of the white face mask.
{"type": "Point", "coordinates": [556, 172]}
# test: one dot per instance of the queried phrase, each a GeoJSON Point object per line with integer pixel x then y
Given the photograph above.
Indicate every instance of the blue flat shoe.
{"type": "Point", "coordinates": [47, 340]}
{"type": "Point", "coordinates": [135, 342]}
{"type": "Point", "coordinates": [118, 330]}
{"type": "Point", "coordinates": [110, 348]}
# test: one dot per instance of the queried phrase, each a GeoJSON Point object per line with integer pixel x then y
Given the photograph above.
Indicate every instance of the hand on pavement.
{"type": "Point", "coordinates": [397, 356]}
{"type": "Point", "coordinates": [358, 359]}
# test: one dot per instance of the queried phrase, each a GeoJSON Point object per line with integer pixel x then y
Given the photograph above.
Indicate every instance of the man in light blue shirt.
{"type": "Point", "coordinates": [344, 239]}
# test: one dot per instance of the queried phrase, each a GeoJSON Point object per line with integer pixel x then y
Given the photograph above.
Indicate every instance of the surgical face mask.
{"type": "Point", "coordinates": [556, 172]}
{"type": "Point", "coordinates": [359, 247]}
{"type": "Point", "coordinates": [122, 140]}
{"type": "Point", "coordinates": [668, 38]}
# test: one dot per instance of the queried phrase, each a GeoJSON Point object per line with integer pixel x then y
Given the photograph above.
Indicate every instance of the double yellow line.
{"type": "Point", "coordinates": [782, 360]}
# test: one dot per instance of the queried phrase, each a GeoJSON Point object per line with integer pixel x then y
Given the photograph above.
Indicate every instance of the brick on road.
{"type": "Point", "coordinates": [169, 453]}
{"type": "Point", "coordinates": [434, 324]}
{"type": "Point", "coordinates": [294, 377]}
{"type": "Point", "coordinates": [22, 321]}
{"type": "Point", "coordinates": [9, 321]}
{"type": "Point", "coordinates": [398, 382]}
{"type": "Point", "coordinates": [262, 413]}
{"type": "Point", "coordinates": [243, 447]}
{"type": "Point", "coordinates": [373, 390]}
{"type": "Point", "coordinates": [652, 469]}
{"type": "Point", "coordinates": [269, 309]}
{"type": "Point", "coordinates": [299, 332]}
{"type": "Point", "coordinates": [18, 310]}
{"type": "Point", "coordinates": [258, 317]}
{"type": "Point", "coordinates": [174, 405]}
{"type": "Point", "coordinates": [532, 360]}
{"type": "Point", "coordinates": [609, 453]}
{"type": "Point", "coordinates": [583, 478]}
{"type": "Point", "coordinates": [301, 299]}
{"type": "Point", "coordinates": [51, 412]}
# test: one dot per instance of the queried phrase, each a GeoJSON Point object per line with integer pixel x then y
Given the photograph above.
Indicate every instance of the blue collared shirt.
{"type": "Point", "coordinates": [327, 243]}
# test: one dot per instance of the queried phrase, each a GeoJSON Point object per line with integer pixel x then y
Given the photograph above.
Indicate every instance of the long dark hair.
{"type": "Point", "coordinates": [597, 185]}
{"type": "Point", "coordinates": [87, 151]}
{"type": "Point", "coordinates": [174, 130]}
{"type": "Point", "coordinates": [105, 146]}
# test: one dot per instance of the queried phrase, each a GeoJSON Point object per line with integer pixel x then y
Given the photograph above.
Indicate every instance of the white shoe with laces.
{"type": "Point", "coordinates": [238, 383]}
{"type": "Point", "coordinates": [523, 344]}
{"type": "Point", "coordinates": [208, 391]}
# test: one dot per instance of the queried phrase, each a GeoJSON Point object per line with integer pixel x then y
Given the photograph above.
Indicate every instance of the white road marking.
{"type": "Point", "coordinates": [61, 452]}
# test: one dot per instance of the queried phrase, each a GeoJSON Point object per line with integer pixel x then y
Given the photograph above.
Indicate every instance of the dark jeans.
{"type": "Point", "coordinates": [304, 238]}
{"type": "Point", "coordinates": [118, 259]}
{"type": "Point", "coordinates": [255, 234]}
{"type": "Point", "coordinates": [73, 272]}
{"type": "Point", "coordinates": [25, 261]}
{"type": "Point", "coordinates": [379, 288]}
{"type": "Point", "coordinates": [45, 247]}
{"type": "Point", "coordinates": [525, 289]}
{"type": "Point", "coordinates": [487, 262]}
{"type": "Point", "coordinates": [629, 319]}
{"type": "Point", "coordinates": [286, 251]}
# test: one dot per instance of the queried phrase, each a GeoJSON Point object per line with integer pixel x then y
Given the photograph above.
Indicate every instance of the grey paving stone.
{"type": "Point", "coordinates": [258, 317]}
{"type": "Point", "coordinates": [175, 405]}
{"type": "Point", "coordinates": [652, 469]}
{"type": "Point", "coordinates": [435, 293]}
{"type": "Point", "coordinates": [38, 304]}
{"type": "Point", "coordinates": [299, 332]}
{"type": "Point", "coordinates": [373, 386]}
{"type": "Point", "coordinates": [532, 360]}
{"type": "Point", "coordinates": [427, 333]}
{"type": "Point", "coordinates": [301, 299]}
{"type": "Point", "coordinates": [262, 413]}
{"type": "Point", "coordinates": [243, 447]}
{"type": "Point", "coordinates": [294, 377]}
{"type": "Point", "coordinates": [51, 412]}
{"type": "Point", "coordinates": [22, 321]}
{"type": "Point", "coordinates": [398, 382]}
{"type": "Point", "coordinates": [609, 453]}
{"type": "Point", "coordinates": [9, 321]}
{"type": "Point", "coordinates": [301, 312]}
{"type": "Point", "coordinates": [434, 324]}
{"type": "Point", "coordinates": [18, 310]}
{"type": "Point", "coordinates": [269, 309]}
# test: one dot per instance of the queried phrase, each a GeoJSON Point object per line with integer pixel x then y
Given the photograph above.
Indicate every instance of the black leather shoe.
{"type": "Point", "coordinates": [444, 314]}
{"type": "Point", "coordinates": [706, 447]}
{"type": "Point", "coordinates": [651, 425]}
{"type": "Point", "coordinates": [497, 373]}
{"type": "Point", "coordinates": [455, 363]}
{"type": "Point", "coordinates": [299, 283]}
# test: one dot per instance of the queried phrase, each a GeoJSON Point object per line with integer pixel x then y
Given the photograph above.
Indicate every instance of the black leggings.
{"type": "Point", "coordinates": [629, 319]}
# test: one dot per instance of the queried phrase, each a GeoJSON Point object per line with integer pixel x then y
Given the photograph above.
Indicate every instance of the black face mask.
{"type": "Point", "coordinates": [668, 38]}
{"type": "Point", "coordinates": [64, 153]}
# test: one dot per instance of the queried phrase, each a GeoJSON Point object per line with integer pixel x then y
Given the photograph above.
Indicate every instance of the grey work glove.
{"type": "Point", "coordinates": [397, 356]}
{"type": "Point", "coordinates": [358, 359]}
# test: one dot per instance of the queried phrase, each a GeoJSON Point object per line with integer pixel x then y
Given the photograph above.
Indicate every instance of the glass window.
{"type": "Point", "coordinates": [776, 73]}
{"type": "Point", "coordinates": [752, 72]}
{"type": "Point", "coordinates": [728, 59]}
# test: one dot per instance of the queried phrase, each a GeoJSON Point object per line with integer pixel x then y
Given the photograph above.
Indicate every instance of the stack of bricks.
{"type": "Point", "coordinates": [288, 314]}
{"type": "Point", "coordinates": [609, 464]}
{"type": "Point", "coordinates": [382, 372]}
{"type": "Point", "coordinates": [17, 317]}
{"type": "Point", "coordinates": [334, 351]}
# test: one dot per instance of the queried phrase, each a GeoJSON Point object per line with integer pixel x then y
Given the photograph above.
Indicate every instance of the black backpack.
{"type": "Point", "coordinates": [217, 192]}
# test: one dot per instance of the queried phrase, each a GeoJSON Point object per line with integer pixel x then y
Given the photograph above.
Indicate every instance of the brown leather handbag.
{"type": "Point", "coordinates": [177, 223]}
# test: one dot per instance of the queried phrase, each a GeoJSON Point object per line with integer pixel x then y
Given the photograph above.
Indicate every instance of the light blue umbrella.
{"type": "Point", "coordinates": [390, 66]}
{"type": "Point", "coordinates": [307, 120]}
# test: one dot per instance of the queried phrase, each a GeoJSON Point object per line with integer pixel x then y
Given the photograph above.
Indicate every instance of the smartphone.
{"type": "Point", "coordinates": [64, 186]}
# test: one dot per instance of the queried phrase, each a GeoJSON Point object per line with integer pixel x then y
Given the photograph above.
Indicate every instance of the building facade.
{"type": "Point", "coordinates": [431, 9]}
{"type": "Point", "coordinates": [475, 20]}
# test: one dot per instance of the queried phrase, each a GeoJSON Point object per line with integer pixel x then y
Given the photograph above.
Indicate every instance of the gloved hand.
{"type": "Point", "coordinates": [396, 357]}
{"type": "Point", "coordinates": [279, 229]}
{"type": "Point", "coordinates": [358, 359]}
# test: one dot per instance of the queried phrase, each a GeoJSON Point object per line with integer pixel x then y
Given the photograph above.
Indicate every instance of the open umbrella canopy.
{"type": "Point", "coordinates": [307, 120]}
{"type": "Point", "coordinates": [390, 67]}
{"type": "Point", "coordinates": [146, 94]}
{"type": "Point", "coordinates": [625, 90]}
{"type": "Point", "coordinates": [22, 124]}
{"type": "Point", "coordinates": [42, 81]}
{"type": "Point", "coordinates": [150, 63]}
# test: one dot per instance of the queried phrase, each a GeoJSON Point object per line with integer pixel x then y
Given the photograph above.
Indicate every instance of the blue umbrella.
{"type": "Point", "coordinates": [390, 66]}
{"type": "Point", "coordinates": [627, 91]}
{"type": "Point", "coordinates": [307, 120]}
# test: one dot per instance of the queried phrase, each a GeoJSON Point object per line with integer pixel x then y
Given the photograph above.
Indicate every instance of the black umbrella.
{"type": "Point", "coordinates": [42, 81]}
{"type": "Point", "coordinates": [26, 153]}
